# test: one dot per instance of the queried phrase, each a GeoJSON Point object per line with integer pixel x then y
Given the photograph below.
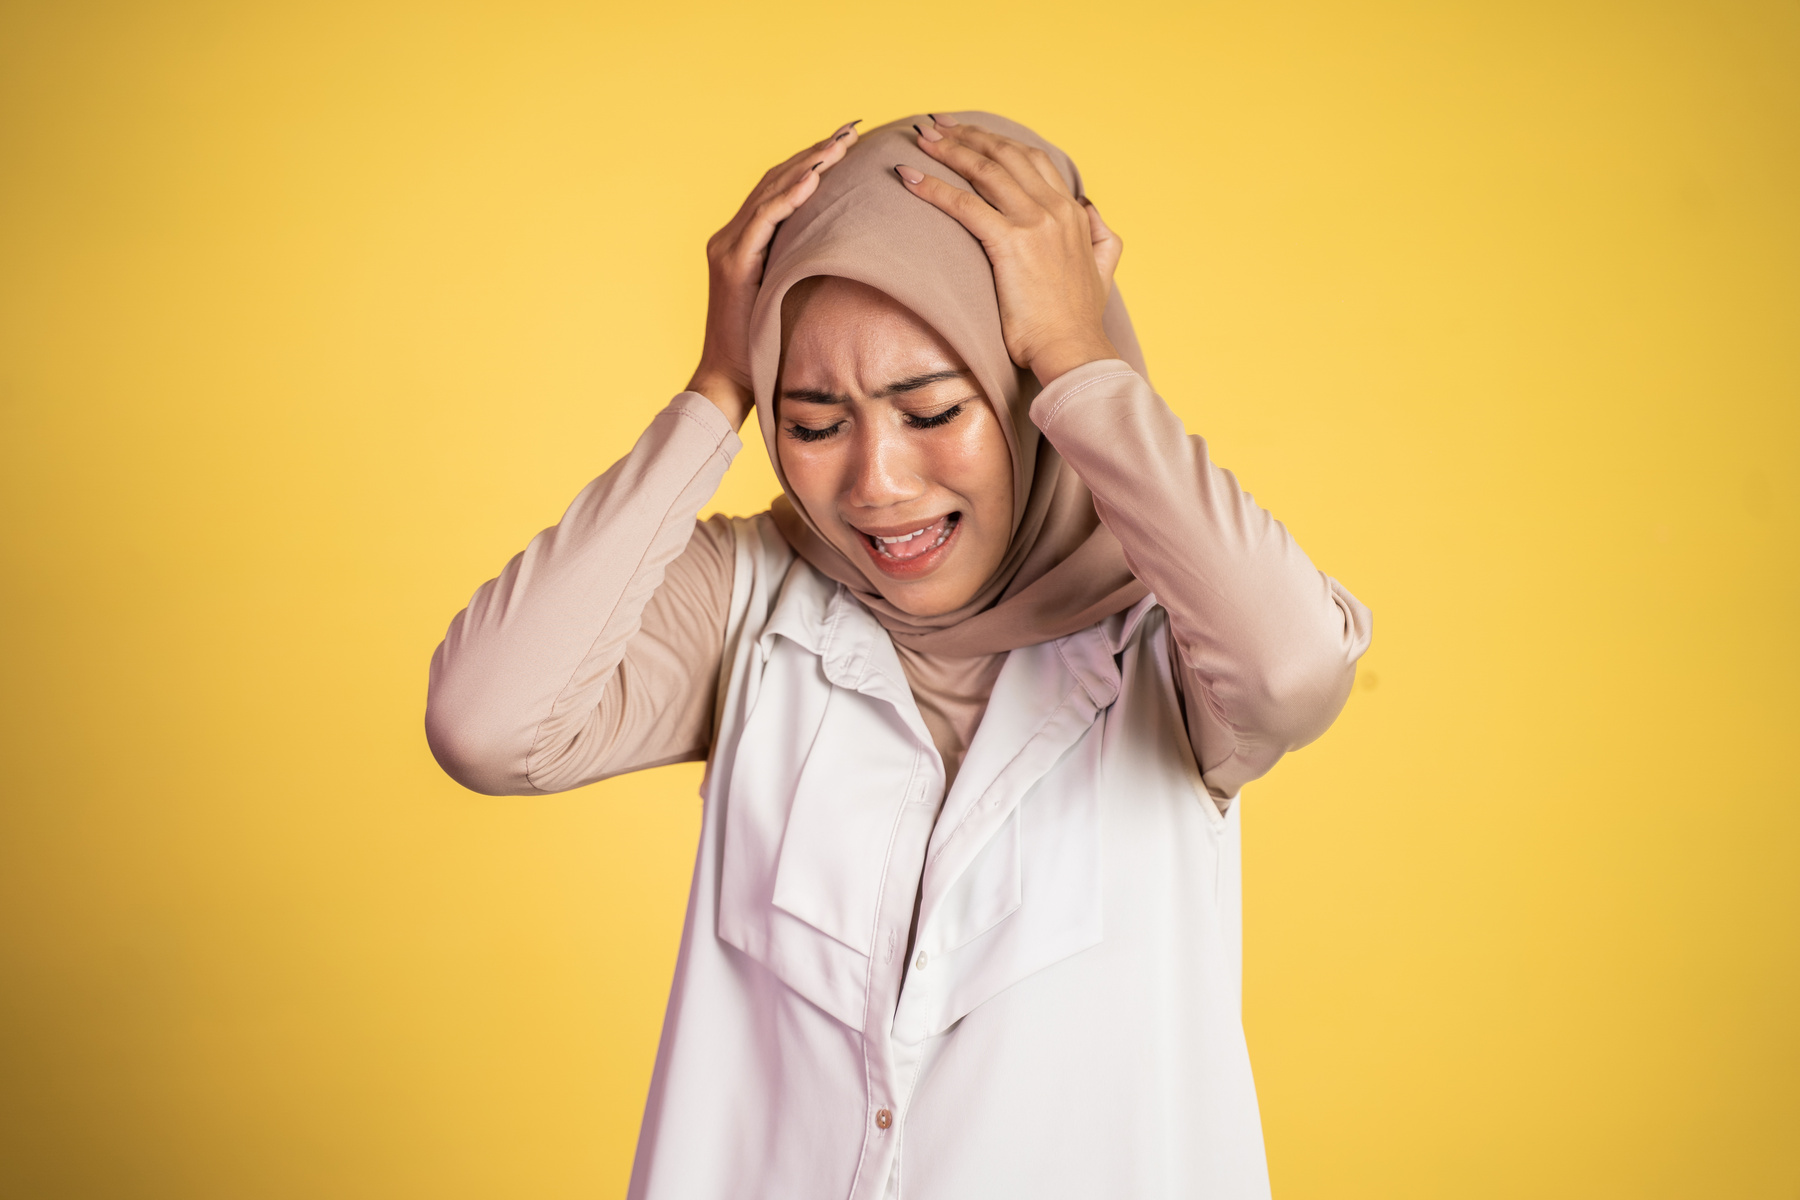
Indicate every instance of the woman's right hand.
{"type": "Point", "coordinates": [735, 257]}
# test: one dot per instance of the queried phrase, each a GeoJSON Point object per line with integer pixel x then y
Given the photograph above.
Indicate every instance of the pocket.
{"type": "Point", "coordinates": [819, 777]}
{"type": "Point", "coordinates": [863, 769]}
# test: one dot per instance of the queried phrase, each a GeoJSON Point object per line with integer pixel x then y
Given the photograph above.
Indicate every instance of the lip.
{"type": "Point", "coordinates": [911, 568]}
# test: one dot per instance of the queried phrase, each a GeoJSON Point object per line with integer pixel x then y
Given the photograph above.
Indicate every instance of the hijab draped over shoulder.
{"type": "Point", "coordinates": [1063, 570]}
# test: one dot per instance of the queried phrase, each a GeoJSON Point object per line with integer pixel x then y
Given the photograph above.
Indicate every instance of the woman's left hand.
{"type": "Point", "coordinates": [1053, 256]}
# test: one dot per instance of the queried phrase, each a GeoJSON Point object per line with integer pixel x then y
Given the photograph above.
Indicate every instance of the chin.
{"type": "Point", "coordinates": [927, 602]}
{"type": "Point", "coordinates": [932, 596]}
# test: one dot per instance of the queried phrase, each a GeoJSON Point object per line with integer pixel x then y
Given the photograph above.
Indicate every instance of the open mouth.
{"type": "Point", "coordinates": [915, 551]}
{"type": "Point", "coordinates": [922, 540]}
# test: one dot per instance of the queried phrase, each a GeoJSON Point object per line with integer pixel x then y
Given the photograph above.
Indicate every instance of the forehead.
{"type": "Point", "coordinates": [847, 329]}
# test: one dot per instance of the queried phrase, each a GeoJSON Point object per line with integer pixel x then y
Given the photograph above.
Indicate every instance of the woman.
{"type": "Point", "coordinates": [976, 697]}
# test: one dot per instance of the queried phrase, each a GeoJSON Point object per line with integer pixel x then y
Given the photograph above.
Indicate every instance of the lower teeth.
{"type": "Point", "coordinates": [949, 527]}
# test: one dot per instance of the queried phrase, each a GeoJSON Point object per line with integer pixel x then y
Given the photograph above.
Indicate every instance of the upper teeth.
{"type": "Point", "coordinates": [905, 537]}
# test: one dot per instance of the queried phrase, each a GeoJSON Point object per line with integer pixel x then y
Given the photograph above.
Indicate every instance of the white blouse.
{"type": "Point", "coordinates": [1067, 1022]}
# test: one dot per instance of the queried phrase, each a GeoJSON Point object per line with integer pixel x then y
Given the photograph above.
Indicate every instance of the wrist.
{"type": "Point", "coordinates": [1062, 355]}
{"type": "Point", "coordinates": [730, 396]}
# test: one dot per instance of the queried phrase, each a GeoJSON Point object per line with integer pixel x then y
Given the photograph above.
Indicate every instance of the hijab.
{"type": "Point", "coordinates": [1063, 570]}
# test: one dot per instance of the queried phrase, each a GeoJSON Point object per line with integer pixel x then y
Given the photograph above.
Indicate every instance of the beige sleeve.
{"type": "Point", "coordinates": [596, 651]}
{"type": "Point", "coordinates": [1267, 644]}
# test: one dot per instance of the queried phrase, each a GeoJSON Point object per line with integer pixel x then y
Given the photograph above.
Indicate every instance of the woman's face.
{"type": "Point", "coordinates": [892, 448]}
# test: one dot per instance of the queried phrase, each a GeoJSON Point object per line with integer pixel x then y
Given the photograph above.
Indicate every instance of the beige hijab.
{"type": "Point", "coordinates": [1063, 570]}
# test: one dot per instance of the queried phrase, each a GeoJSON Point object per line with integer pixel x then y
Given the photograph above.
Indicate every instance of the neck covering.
{"type": "Point", "coordinates": [1063, 569]}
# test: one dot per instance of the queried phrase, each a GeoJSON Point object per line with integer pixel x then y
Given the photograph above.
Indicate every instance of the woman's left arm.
{"type": "Point", "coordinates": [1267, 643]}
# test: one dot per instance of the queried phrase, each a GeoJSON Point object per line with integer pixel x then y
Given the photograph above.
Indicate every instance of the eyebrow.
{"type": "Point", "coordinates": [911, 383]}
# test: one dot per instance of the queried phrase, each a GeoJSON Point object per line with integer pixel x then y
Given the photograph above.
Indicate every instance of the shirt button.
{"type": "Point", "coordinates": [919, 962]}
{"type": "Point", "coordinates": [883, 1118]}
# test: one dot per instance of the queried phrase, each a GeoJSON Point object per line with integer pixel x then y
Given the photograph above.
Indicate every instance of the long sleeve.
{"type": "Point", "coordinates": [1266, 643]}
{"type": "Point", "coordinates": [596, 651]}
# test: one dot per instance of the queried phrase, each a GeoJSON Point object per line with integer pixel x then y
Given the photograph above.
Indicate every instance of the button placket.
{"type": "Point", "coordinates": [890, 1071]}
{"type": "Point", "coordinates": [890, 1075]}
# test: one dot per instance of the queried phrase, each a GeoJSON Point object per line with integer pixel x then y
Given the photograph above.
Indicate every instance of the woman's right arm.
{"type": "Point", "coordinates": [597, 650]}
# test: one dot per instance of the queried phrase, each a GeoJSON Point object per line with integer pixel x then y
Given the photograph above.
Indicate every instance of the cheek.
{"type": "Point", "coordinates": [978, 465]}
{"type": "Point", "coordinates": [812, 472]}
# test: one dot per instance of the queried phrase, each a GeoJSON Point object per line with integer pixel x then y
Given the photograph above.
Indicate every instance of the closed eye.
{"type": "Point", "coordinates": [932, 422]}
{"type": "Point", "coordinates": [800, 433]}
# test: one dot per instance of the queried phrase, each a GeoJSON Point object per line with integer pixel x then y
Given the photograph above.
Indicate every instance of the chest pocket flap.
{"type": "Point", "coordinates": [863, 768]}
{"type": "Point", "coordinates": [821, 775]}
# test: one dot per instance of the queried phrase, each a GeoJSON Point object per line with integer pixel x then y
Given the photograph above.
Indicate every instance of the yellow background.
{"type": "Point", "coordinates": [310, 315]}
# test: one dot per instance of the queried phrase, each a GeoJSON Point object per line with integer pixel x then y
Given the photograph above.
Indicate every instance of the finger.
{"type": "Point", "coordinates": [832, 152]}
{"type": "Point", "coordinates": [1046, 166]}
{"type": "Point", "coordinates": [823, 154]}
{"type": "Point", "coordinates": [846, 131]}
{"type": "Point", "coordinates": [1028, 163]}
{"type": "Point", "coordinates": [759, 230]}
{"type": "Point", "coordinates": [992, 181]}
{"type": "Point", "coordinates": [1099, 230]}
{"type": "Point", "coordinates": [1109, 247]}
{"type": "Point", "coordinates": [975, 214]}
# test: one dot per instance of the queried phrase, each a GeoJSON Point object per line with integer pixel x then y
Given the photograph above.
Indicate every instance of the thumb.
{"type": "Point", "coordinates": [1109, 247]}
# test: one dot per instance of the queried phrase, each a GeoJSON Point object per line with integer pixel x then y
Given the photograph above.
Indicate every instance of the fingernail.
{"type": "Point", "coordinates": [909, 175]}
{"type": "Point", "coordinates": [930, 135]}
{"type": "Point", "coordinates": [946, 122]}
{"type": "Point", "coordinates": [816, 165]}
{"type": "Point", "coordinates": [840, 137]}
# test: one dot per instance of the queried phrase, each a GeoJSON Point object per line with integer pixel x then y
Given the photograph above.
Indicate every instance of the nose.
{"type": "Point", "coordinates": [884, 471]}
